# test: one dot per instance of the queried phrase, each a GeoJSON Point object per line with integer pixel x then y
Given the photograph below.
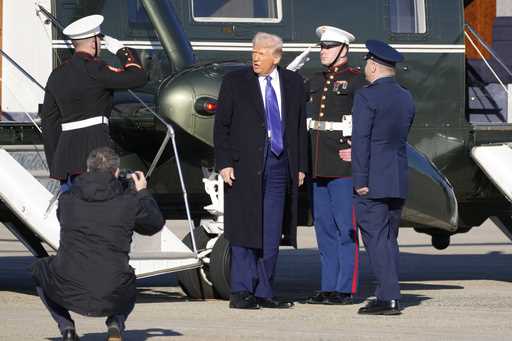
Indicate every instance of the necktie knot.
{"type": "Point", "coordinates": [268, 78]}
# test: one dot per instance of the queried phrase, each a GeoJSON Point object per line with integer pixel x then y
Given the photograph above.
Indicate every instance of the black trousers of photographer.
{"type": "Point", "coordinates": [65, 322]}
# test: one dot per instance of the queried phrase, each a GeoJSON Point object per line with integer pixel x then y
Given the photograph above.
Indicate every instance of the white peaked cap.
{"type": "Point", "coordinates": [330, 33]}
{"type": "Point", "coordinates": [85, 27]}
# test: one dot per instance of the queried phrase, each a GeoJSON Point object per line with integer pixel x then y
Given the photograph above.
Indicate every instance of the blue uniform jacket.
{"type": "Point", "coordinates": [382, 115]}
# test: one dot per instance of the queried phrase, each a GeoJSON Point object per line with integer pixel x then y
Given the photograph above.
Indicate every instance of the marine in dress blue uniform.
{"type": "Point", "coordinates": [78, 98]}
{"type": "Point", "coordinates": [383, 113]}
{"type": "Point", "coordinates": [332, 93]}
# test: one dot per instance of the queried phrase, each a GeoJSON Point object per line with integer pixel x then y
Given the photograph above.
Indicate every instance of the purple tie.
{"type": "Point", "coordinates": [273, 118]}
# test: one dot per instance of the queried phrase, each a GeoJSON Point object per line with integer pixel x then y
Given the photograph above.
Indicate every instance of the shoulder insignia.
{"type": "Point", "coordinates": [115, 69]}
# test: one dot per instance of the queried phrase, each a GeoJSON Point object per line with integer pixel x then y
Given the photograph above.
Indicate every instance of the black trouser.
{"type": "Point", "coordinates": [65, 322]}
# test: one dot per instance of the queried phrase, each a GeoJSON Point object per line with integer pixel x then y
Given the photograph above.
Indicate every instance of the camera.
{"type": "Point", "coordinates": [125, 178]}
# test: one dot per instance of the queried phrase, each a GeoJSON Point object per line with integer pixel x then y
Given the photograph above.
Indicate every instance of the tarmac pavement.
{"type": "Point", "coordinates": [461, 293]}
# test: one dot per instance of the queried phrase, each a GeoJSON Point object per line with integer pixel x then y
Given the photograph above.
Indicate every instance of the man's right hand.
{"type": "Point", "coordinates": [112, 44]}
{"type": "Point", "coordinates": [228, 175]}
{"type": "Point", "coordinates": [139, 180]}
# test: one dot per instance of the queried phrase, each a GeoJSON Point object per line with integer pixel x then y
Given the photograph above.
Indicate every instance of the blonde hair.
{"type": "Point", "coordinates": [270, 41]}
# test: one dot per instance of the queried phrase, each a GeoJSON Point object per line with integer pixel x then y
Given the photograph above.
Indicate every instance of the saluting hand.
{"type": "Point", "coordinates": [112, 44]}
{"type": "Point", "coordinates": [228, 175]}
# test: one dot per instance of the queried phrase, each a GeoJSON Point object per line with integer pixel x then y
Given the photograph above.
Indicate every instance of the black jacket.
{"type": "Point", "coordinates": [332, 93]}
{"type": "Point", "coordinates": [79, 89]}
{"type": "Point", "coordinates": [240, 138]}
{"type": "Point", "coordinates": [90, 274]}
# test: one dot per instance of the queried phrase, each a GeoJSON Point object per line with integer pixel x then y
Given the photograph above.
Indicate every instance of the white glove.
{"type": "Point", "coordinates": [112, 44]}
{"type": "Point", "coordinates": [300, 60]}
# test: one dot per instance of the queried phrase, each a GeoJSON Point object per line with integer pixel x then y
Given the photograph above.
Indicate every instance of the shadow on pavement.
{"type": "Point", "coordinates": [155, 296]}
{"type": "Point", "coordinates": [129, 335]}
{"type": "Point", "coordinates": [298, 274]}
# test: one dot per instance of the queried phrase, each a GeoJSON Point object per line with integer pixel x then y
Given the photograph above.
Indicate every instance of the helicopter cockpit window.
{"type": "Point", "coordinates": [237, 10]}
{"type": "Point", "coordinates": [408, 16]}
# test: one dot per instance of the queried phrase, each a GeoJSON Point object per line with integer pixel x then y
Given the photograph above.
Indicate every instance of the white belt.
{"type": "Point", "coordinates": [84, 123]}
{"type": "Point", "coordinates": [345, 125]}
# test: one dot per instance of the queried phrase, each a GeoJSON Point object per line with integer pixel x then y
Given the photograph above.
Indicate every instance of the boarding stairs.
{"type": "Point", "coordinates": [489, 111]}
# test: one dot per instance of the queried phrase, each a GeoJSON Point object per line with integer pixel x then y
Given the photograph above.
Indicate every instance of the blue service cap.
{"type": "Point", "coordinates": [382, 53]}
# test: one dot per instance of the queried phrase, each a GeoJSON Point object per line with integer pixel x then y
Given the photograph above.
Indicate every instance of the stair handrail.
{"type": "Point", "coordinates": [491, 51]}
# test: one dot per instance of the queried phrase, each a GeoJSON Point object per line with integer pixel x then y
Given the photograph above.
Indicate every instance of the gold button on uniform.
{"type": "Point", "coordinates": [325, 89]}
{"type": "Point", "coordinates": [328, 82]}
{"type": "Point", "coordinates": [323, 97]}
{"type": "Point", "coordinates": [321, 114]}
{"type": "Point", "coordinates": [332, 77]}
{"type": "Point", "coordinates": [322, 106]}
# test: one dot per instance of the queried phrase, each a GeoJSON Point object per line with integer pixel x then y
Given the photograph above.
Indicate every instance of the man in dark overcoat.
{"type": "Point", "coordinates": [261, 152]}
{"type": "Point", "coordinates": [90, 274]}
{"type": "Point", "coordinates": [383, 113]}
{"type": "Point", "coordinates": [78, 98]}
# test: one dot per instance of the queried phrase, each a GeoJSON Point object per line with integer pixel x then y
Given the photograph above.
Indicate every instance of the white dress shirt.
{"type": "Point", "coordinates": [277, 88]}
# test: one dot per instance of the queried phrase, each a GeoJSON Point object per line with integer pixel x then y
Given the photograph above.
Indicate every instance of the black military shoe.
{"type": "Point", "coordinates": [273, 303]}
{"type": "Point", "coordinates": [320, 297]}
{"type": "Point", "coordinates": [339, 298]}
{"type": "Point", "coordinates": [379, 307]}
{"type": "Point", "coordinates": [113, 333]}
{"type": "Point", "coordinates": [243, 300]}
{"type": "Point", "coordinates": [70, 335]}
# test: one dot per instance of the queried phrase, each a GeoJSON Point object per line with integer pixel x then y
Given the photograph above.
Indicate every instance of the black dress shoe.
{"type": "Point", "coordinates": [379, 307]}
{"type": "Point", "coordinates": [339, 298]}
{"type": "Point", "coordinates": [114, 334]}
{"type": "Point", "coordinates": [70, 335]}
{"type": "Point", "coordinates": [243, 300]}
{"type": "Point", "coordinates": [320, 297]}
{"type": "Point", "coordinates": [273, 303]}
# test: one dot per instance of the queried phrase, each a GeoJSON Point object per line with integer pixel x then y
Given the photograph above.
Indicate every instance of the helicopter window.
{"type": "Point", "coordinates": [408, 16]}
{"type": "Point", "coordinates": [237, 10]}
{"type": "Point", "coordinates": [136, 13]}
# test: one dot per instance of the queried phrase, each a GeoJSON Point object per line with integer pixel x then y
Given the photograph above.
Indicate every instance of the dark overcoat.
{"type": "Point", "coordinates": [240, 139]}
{"type": "Point", "coordinates": [90, 274]}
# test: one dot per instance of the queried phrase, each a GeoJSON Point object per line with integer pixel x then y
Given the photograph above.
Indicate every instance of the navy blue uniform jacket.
{"type": "Point", "coordinates": [382, 115]}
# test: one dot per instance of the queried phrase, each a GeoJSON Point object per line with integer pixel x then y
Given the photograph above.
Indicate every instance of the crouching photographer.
{"type": "Point", "coordinates": [90, 274]}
